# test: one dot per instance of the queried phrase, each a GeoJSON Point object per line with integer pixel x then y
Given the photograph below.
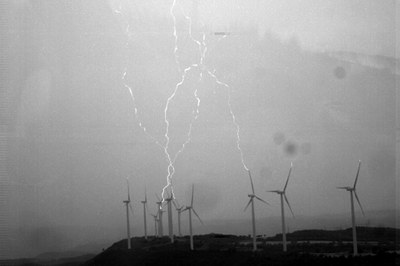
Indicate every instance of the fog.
{"type": "Point", "coordinates": [89, 89]}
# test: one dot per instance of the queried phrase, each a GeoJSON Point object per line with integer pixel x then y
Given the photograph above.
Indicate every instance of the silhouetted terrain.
{"type": "Point", "coordinates": [306, 247]}
{"type": "Point", "coordinates": [179, 257]}
{"type": "Point", "coordinates": [377, 234]}
{"type": "Point", "coordinates": [67, 261]}
{"type": "Point", "coordinates": [219, 249]}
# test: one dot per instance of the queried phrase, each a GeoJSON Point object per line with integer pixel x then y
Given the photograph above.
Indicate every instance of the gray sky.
{"type": "Point", "coordinates": [310, 82]}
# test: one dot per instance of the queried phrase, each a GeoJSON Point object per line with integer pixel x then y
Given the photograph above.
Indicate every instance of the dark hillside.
{"type": "Point", "coordinates": [379, 234]}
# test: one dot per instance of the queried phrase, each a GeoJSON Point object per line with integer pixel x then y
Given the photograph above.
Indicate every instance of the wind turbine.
{"type": "Point", "coordinates": [160, 212]}
{"type": "Point", "coordinates": [282, 194]}
{"type": "Point", "coordinates": [251, 201]}
{"type": "Point", "coordinates": [352, 191]}
{"type": "Point", "coordinates": [179, 210]}
{"type": "Point", "coordinates": [144, 202]}
{"type": "Point", "coordinates": [190, 209]}
{"type": "Point", "coordinates": [170, 226]}
{"type": "Point", "coordinates": [155, 224]}
{"type": "Point", "coordinates": [128, 206]}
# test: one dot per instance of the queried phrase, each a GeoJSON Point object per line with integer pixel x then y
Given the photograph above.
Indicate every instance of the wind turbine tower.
{"type": "Point", "coordinates": [253, 219]}
{"type": "Point", "coordinates": [128, 206]}
{"type": "Point", "coordinates": [144, 202]}
{"type": "Point", "coordinates": [155, 224]}
{"type": "Point", "coordinates": [282, 194]}
{"type": "Point", "coordinates": [352, 191]}
{"type": "Point", "coordinates": [190, 209]}
{"type": "Point", "coordinates": [179, 210]}
{"type": "Point", "coordinates": [160, 212]}
{"type": "Point", "coordinates": [170, 226]}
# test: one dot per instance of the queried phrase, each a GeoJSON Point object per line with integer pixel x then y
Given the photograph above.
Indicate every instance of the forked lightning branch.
{"type": "Point", "coordinates": [175, 9]}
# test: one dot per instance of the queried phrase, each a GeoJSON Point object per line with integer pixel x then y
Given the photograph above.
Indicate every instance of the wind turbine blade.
{"type": "Point", "coordinates": [247, 205]}
{"type": "Point", "coordinates": [358, 172]}
{"type": "Point", "coordinates": [127, 185]}
{"type": "Point", "coordinates": [197, 216]}
{"type": "Point", "coordinates": [274, 191]}
{"type": "Point", "coordinates": [191, 203]}
{"type": "Point", "coordinates": [185, 209]}
{"type": "Point", "coordinates": [173, 202]}
{"type": "Point", "coordinates": [260, 199]}
{"type": "Point", "coordinates": [251, 181]}
{"type": "Point", "coordinates": [287, 201]}
{"type": "Point", "coordinates": [158, 198]}
{"type": "Point", "coordinates": [359, 203]}
{"type": "Point", "coordinates": [145, 194]}
{"type": "Point", "coordinates": [342, 187]}
{"type": "Point", "coordinates": [287, 180]}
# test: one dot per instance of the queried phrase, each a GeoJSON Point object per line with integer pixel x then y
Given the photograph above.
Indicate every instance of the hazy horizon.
{"type": "Point", "coordinates": [311, 83]}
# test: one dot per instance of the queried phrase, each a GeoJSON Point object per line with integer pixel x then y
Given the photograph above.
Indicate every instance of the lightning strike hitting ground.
{"type": "Point", "coordinates": [171, 168]}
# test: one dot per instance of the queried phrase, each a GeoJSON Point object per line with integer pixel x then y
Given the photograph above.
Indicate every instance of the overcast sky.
{"type": "Point", "coordinates": [308, 82]}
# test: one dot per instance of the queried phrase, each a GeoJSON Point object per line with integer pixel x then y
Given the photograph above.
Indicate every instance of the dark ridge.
{"type": "Point", "coordinates": [220, 249]}
{"type": "Point", "coordinates": [379, 234]}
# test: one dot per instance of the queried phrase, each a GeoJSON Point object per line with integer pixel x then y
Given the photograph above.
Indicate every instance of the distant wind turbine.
{"type": "Point", "coordinates": [251, 201]}
{"type": "Point", "coordinates": [155, 224]}
{"type": "Point", "coordinates": [160, 212]}
{"type": "Point", "coordinates": [179, 210]}
{"type": "Point", "coordinates": [190, 209]}
{"type": "Point", "coordinates": [128, 206]}
{"type": "Point", "coordinates": [352, 191]}
{"type": "Point", "coordinates": [144, 202]}
{"type": "Point", "coordinates": [170, 225]}
{"type": "Point", "coordinates": [282, 194]}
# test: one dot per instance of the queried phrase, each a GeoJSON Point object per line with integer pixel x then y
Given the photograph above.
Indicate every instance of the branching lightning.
{"type": "Point", "coordinates": [233, 117]}
{"type": "Point", "coordinates": [202, 49]}
{"type": "Point", "coordinates": [171, 168]}
{"type": "Point", "coordinates": [125, 83]}
{"type": "Point", "coordinates": [202, 45]}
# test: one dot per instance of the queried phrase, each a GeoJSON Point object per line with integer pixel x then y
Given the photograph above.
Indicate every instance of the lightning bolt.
{"type": "Point", "coordinates": [232, 116]}
{"type": "Point", "coordinates": [202, 49]}
{"type": "Point", "coordinates": [171, 162]}
{"type": "Point", "coordinates": [125, 82]}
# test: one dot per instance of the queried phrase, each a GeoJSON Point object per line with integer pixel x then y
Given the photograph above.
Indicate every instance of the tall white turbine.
{"type": "Point", "coordinates": [190, 209]}
{"type": "Point", "coordinates": [282, 194]}
{"type": "Point", "coordinates": [144, 202]}
{"type": "Point", "coordinates": [253, 219]}
{"type": "Point", "coordinates": [352, 191]}
{"type": "Point", "coordinates": [160, 212]}
{"type": "Point", "coordinates": [128, 206]}
{"type": "Point", "coordinates": [170, 225]}
{"type": "Point", "coordinates": [179, 210]}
